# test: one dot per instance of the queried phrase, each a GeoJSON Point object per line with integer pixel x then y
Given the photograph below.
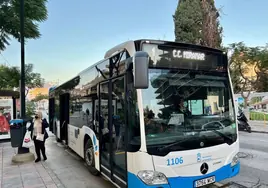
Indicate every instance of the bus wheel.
{"type": "Point", "coordinates": [90, 158]}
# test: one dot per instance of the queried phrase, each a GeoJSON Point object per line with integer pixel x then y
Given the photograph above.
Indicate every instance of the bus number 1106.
{"type": "Point", "coordinates": [174, 161]}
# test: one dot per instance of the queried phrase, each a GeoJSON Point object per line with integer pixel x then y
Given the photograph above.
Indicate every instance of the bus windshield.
{"type": "Point", "coordinates": [190, 107]}
{"type": "Point", "coordinates": [187, 109]}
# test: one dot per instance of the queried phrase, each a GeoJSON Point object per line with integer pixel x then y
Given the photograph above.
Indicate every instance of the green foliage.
{"type": "Point", "coordinates": [262, 85]}
{"type": "Point", "coordinates": [197, 22]}
{"type": "Point", "coordinates": [32, 79]}
{"type": "Point", "coordinates": [10, 77]}
{"type": "Point", "coordinates": [30, 108]}
{"type": "Point", "coordinates": [35, 12]}
{"type": "Point", "coordinates": [255, 100]}
{"type": "Point", "coordinates": [259, 116]}
{"type": "Point", "coordinates": [40, 97]}
{"type": "Point", "coordinates": [188, 21]}
{"type": "Point", "coordinates": [243, 59]}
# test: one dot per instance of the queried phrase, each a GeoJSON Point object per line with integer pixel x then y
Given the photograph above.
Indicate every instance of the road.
{"type": "Point", "coordinates": [254, 161]}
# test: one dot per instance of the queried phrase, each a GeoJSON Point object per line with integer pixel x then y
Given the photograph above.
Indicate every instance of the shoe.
{"type": "Point", "coordinates": [45, 158]}
{"type": "Point", "coordinates": [37, 160]}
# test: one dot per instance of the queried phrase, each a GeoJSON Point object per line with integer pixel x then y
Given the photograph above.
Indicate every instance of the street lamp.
{"type": "Point", "coordinates": [22, 75]}
{"type": "Point", "coordinates": [23, 154]}
{"type": "Point", "coordinates": [22, 150]}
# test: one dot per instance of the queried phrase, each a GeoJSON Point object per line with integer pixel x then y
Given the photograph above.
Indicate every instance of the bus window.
{"type": "Point", "coordinates": [96, 118]}
{"type": "Point", "coordinates": [134, 140]}
{"type": "Point", "coordinates": [81, 112]}
{"type": "Point", "coordinates": [102, 116]}
{"type": "Point", "coordinates": [119, 127]}
{"type": "Point", "coordinates": [196, 107]}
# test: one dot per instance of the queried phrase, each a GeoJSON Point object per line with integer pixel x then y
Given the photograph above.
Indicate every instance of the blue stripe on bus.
{"type": "Point", "coordinates": [185, 182]}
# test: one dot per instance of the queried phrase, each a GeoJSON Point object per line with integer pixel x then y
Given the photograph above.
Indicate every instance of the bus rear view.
{"type": "Point", "coordinates": [187, 118]}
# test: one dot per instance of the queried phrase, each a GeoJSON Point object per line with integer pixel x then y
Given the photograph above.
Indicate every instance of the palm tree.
{"type": "Point", "coordinates": [35, 12]}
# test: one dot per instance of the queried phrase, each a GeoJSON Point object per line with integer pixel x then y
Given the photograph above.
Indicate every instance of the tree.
{"type": "Point", "coordinates": [262, 84]}
{"type": "Point", "coordinates": [248, 68]}
{"type": "Point", "coordinates": [30, 108]}
{"type": "Point", "coordinates": [35, 12]}
{"type": "Point", "coordinates": [40, 97]}
{"type": "Point", "coordinates": [211, 30]}
{"type": "Point", "coordinates": [196, 22]}
{"type": "Point", "coordinates": [254, 100]}
{"type": "Point", "coordinates": [188, 21]}
{"type": "Point", "coordinates": [10, 77]}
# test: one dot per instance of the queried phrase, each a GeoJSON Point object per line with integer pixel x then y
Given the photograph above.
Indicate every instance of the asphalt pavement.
{"type": "Point", "coordinates": [64, 169]}
{"type": "Point", "coordinates": [254, 161]}
{"type": "Point", "coordinates": [259, 126]}
{"type": "Point", "coordinates": [253, 158]}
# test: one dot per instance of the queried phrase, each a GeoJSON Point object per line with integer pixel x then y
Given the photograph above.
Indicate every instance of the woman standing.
{"type": "Point", "coordinates": [39, 135]}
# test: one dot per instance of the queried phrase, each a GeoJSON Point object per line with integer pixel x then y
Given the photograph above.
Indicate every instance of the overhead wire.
{"type": "Point", "coordinates": [5, 60]}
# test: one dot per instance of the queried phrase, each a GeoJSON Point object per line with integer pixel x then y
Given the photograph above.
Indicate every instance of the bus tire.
{"type": "Point", "coordinates": [90, 158]}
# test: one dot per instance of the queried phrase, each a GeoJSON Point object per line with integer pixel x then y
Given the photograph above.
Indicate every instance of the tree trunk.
{"type": "Point", "coordinates": [245, 97]}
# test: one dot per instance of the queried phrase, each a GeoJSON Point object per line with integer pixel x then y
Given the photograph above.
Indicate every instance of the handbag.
{"type": "Point", "coordinates": [40, 137]}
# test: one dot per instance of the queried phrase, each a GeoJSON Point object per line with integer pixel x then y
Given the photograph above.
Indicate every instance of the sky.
{"type": "Point", "coordinates": [78, 33]}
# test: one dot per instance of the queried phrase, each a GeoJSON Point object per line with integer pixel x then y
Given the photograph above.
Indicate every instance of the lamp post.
{"type": "Point", "coordinates": [22, 75]}
{"type": "Point", "coordinates": [22, 150]}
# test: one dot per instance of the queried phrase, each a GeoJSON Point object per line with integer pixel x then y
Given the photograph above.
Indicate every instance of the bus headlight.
{"type": "Point", "coordinates": [150, 177]}
{"type": "Point", "coordinates": [235, 160]}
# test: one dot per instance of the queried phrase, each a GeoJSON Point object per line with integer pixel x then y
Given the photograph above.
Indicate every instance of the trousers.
{"type": "Point", "coordinates": [39, 146]}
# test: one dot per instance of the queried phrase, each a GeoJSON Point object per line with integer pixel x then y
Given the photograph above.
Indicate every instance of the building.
{"type": "Point", "coordinates": [35, 92]}
{"type": "Point", "coordinates": [42, 105]}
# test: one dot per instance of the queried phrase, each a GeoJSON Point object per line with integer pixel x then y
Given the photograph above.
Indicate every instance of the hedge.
{"type": "Point", "coordinates": [258, 116]}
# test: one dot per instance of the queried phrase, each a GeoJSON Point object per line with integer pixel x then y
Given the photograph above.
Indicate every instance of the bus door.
{"type": "Point", "coordinates": [64, 116]}
{"type": "Point", "coordinates": [112, 129]}
{"type": "Point", "coordinates": [51, 114]}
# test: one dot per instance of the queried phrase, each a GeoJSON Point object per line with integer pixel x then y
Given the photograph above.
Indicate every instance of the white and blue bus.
{"type": "Point", "coordinates": [151, 114]}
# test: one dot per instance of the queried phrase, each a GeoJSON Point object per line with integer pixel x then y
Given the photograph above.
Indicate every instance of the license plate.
{"type": "Point", "coordinates": [205, 181]}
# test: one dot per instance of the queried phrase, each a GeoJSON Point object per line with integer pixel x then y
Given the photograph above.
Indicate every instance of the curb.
{"type": "Point", "coordinates": [5, 140]}
{"type": "Point", "coordinates": [264, 132]}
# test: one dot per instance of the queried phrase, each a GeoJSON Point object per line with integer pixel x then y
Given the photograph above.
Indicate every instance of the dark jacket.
{"type": "Point", "coordinates": [44, 126]}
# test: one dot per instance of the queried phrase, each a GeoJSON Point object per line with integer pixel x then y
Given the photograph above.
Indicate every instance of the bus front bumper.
{"type": "Point", "coordinates": [186, 182]}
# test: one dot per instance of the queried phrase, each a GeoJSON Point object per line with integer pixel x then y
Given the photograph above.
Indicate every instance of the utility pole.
{"type": "Point", "coordinates": [24, 154]}
{"type": "Point", "coordinates": [22, 75]}
{"type": "Point", "coordinates": [22, 150]}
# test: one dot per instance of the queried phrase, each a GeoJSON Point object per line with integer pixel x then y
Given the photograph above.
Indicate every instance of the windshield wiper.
{"type": "Point", "coordinates": [175, 143]}
{"type": "Point", "coordinates": [228, 138]}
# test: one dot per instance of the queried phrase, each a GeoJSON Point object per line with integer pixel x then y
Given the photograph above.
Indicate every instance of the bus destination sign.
{"type": "Point", "coordinates": [189, 55]}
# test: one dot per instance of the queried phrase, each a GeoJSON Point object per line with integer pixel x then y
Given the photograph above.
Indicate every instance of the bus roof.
{"type": "Point", "coordinates": [130, 46]}
{"type": "Point", "coordinates": [56, 87]}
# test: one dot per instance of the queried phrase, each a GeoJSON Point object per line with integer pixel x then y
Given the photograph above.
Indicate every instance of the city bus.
{"type": "Point", "coordinates": [152, 113]}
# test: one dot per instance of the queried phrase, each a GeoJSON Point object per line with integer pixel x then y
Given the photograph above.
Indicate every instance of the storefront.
{"type": "Point", "coordinates": [7, 111]}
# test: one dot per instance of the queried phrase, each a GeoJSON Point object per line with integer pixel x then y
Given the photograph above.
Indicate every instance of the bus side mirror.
{"type": "Point", "coordinates": [140, 70]}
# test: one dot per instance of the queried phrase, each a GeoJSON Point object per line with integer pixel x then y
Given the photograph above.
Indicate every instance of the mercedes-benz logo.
{"type": "Point", "coordinates": [204, 168]}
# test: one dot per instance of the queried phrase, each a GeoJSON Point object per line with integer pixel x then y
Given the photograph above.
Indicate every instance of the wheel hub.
{"type": "Point", "coordinates": [89, 156]}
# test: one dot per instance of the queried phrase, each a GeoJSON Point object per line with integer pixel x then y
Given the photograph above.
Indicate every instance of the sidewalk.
{"type": "Point", "coordinates": [259, 126]}
{"type": "Point", "coordinates": [63, 169]}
